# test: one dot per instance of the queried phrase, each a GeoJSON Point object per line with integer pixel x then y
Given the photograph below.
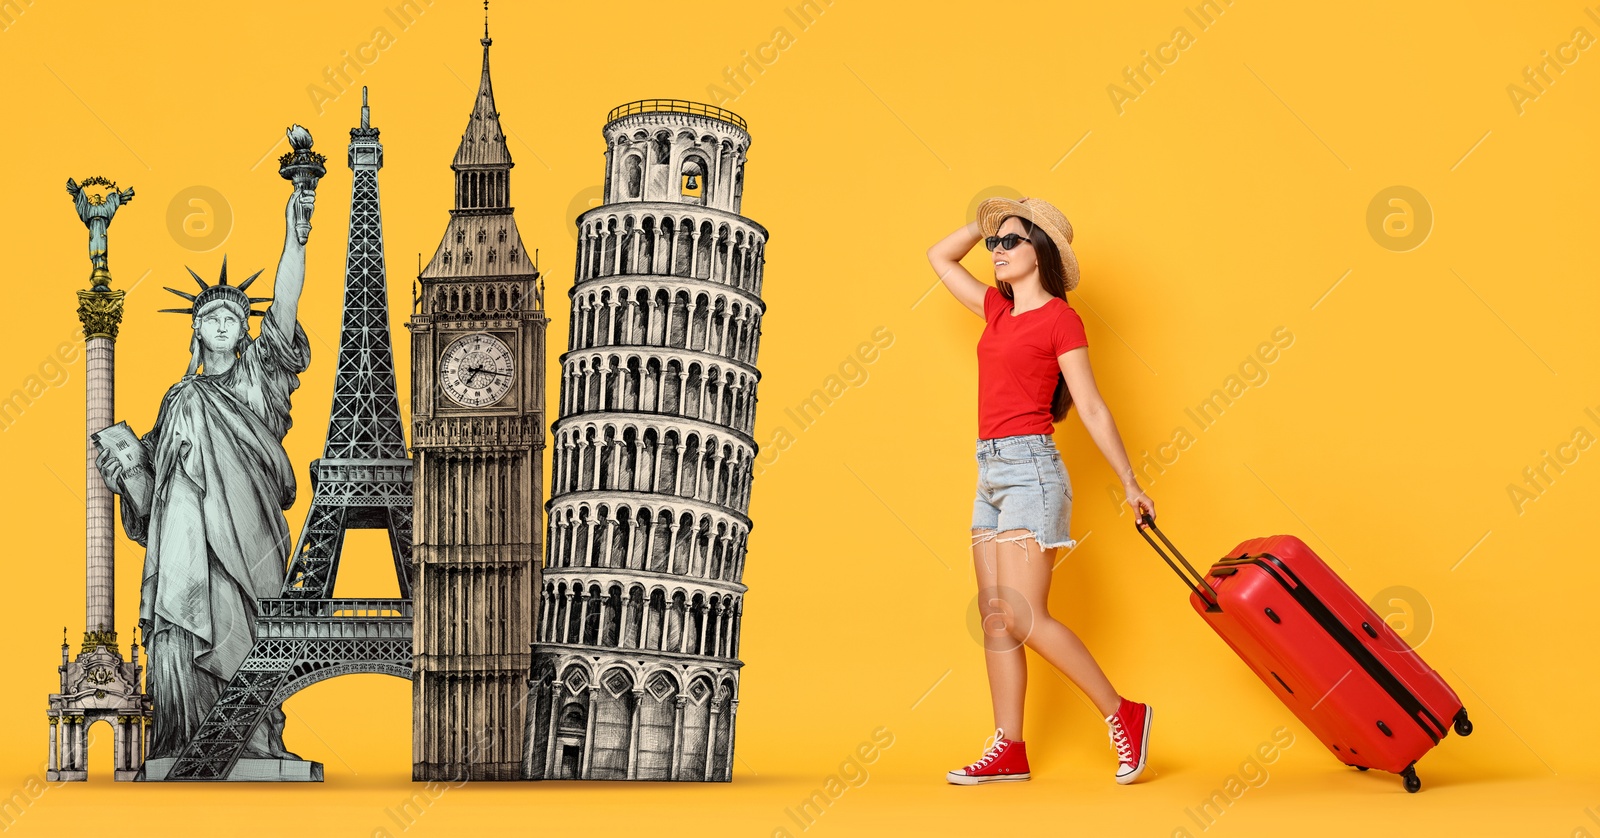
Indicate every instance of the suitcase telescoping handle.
{"type": "Point", "coordinates": [1198, 584]}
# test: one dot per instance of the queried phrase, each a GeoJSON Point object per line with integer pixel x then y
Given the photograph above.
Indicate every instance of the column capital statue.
{"type": "Point", "coordinates": [97, 200]}
{"type": "Point", "coordinates": [100, 312]}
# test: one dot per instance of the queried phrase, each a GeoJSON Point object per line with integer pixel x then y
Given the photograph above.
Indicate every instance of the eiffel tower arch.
{"type": "Point", "coordinates": [362, 481]}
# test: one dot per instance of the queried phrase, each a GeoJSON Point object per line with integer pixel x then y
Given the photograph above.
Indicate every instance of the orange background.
{"type": "Point", "coordinates": [1229, 198]}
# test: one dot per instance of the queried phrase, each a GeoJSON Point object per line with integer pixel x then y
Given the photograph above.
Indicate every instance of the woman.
{"type": "Point", "coordinates": [1033, 364]}
{"type": "Point", "coordinates": [210, 512]}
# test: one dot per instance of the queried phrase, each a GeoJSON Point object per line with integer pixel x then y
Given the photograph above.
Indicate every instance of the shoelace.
{"type": "Point", "coordinates": [991, 749]}
{"type": "Point", "coordinates": [1121, 742]}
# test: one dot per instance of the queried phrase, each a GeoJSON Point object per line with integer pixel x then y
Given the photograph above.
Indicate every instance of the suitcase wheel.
{"type": "Point", "coordinates": [1413, 784]}
{"type": "Point", "coordinates": [1463, 724]}
{"type": "Point", "coordinates": [1361, 768]}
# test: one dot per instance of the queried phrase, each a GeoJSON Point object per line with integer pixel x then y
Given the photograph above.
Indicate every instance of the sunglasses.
{"type": "Point", "coordinates": [1008, 241]}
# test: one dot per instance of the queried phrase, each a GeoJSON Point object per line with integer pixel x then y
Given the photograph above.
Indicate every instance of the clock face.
{"type": "Point", "coordinates": [476, 370]}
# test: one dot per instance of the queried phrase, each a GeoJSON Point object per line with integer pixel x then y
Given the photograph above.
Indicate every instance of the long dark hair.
{"type": "Point", "coordinates": [1053, 277]}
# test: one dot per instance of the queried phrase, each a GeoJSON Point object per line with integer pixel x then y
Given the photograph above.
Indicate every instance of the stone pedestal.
{"type": "Point", "coordinates": [98, 686]}
{"type": "Point", "coordinates": [244, 771]}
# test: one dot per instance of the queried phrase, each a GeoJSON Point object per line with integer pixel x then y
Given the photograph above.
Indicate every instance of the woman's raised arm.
{"type": "Point", "coordinates": [946, 260]}
{"type": "Point", "coordinates": [291, 276]}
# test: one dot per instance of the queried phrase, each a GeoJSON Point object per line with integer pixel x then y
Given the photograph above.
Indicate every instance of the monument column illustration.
{"type": "Point", "coordinates": [478, 411]}
{"type": "Point", "coordinates": [636, 669]}
{"type": "Point", "coordinates": [98, 684]}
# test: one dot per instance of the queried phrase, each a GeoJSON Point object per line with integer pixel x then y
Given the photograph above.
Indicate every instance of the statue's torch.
{"type": "Point", "coordinates": [302, 167]}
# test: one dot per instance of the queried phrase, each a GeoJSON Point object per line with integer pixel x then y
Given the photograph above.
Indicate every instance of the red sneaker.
{"type": "Point", "coordinates": [1130, 737]}
{"type": "Point", "coordinates": [1003, 760]}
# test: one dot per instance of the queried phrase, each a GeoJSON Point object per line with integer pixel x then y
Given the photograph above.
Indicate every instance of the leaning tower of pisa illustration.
{"type": "Point", "coordinates": [635, 673]}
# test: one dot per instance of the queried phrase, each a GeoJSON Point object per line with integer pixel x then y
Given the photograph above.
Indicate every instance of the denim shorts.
{"type": "Point", "coordinates": [1022, 485]}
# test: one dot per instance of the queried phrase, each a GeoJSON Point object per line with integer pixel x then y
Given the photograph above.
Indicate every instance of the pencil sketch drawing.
{"type": "Point", "coordinates": [98, 685]}
{"type": "Point", "coordinates": [636, 669]}
{"type": "Point", "coordinates": [478, 407]}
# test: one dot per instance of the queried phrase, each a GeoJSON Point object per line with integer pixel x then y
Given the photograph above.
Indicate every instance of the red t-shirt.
{"type": "Point", "coordinates": [1018, 366]}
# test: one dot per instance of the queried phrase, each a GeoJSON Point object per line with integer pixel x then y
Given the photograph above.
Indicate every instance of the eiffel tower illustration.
{"type": "Point", "coordinates": [362, 481]}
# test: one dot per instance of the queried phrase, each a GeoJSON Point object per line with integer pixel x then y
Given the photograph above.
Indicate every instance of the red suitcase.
{"type": "Point", "coordinates": [1324, 652]}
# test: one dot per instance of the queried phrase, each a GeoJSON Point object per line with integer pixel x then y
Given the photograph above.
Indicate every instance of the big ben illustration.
{"type": "Point", "coordinates": [478, 393]}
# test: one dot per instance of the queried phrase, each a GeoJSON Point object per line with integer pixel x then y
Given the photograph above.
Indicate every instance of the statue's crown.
{"type": "Point", "coordinates": [221, 292]}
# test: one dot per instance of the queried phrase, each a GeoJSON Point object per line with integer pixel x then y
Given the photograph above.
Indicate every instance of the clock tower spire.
{"type": "Point", "coordinates": [482, 163]}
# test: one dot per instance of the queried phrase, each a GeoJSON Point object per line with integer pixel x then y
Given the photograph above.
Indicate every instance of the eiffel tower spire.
{"type": "Point", "coordinates": [363, 480]}
{"type": "Point", "coordinates": [365, 421]}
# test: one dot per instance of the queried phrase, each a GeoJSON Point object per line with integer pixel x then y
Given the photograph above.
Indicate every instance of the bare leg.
{"type": "Point", "coordinates": [1004, 657]}
{"type": "Point", "coordinates": [1024, 575]}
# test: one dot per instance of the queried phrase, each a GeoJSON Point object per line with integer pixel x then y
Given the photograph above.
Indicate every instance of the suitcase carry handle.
{"type": "Point", "coordinates": [1199, 581]}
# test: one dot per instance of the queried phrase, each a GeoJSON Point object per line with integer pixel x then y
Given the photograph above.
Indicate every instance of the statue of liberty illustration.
{"type": "Point", "coordinates": [208, 499]}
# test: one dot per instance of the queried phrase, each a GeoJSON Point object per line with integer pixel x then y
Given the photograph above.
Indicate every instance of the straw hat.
{"type": "Point", "coordinates": [1044, 216]}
